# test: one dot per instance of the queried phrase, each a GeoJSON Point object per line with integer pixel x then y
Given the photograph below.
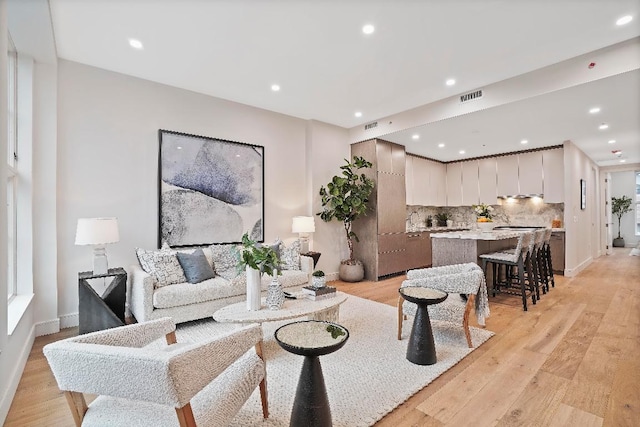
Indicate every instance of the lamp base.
{"type": "Point", "coordinates": [100, 263]}
{"type": "Point", "coordinates": [304, 243]}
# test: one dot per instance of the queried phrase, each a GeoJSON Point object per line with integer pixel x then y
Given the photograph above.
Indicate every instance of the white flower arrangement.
{"type": "Point", "coordinates": [483, 211]}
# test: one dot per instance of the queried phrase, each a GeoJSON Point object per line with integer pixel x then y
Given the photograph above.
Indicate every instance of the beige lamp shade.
{"type": "Point", "coordinates": [303, 224]}
{"type": "Point", "coordinates": [97, 231]}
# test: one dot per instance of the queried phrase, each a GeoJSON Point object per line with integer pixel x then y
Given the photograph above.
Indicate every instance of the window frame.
{"type": "Point", "coordinates": [637, 203]}
{"type": "Point", "coordinates": [12, 173]}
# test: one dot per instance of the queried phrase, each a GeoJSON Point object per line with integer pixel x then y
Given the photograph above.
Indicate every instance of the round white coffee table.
{"type": "Point", "coordinates": [325, 309]}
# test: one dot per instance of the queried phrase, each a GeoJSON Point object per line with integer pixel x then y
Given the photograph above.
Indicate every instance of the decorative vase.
{"type": "Point", "coordinates": [275, 294]}
{"type": "Point", "coordinates": [449, 223]}
{"type": "Point", "coordinates": [351, 272]}
{"type": "Point", "coordinates": [319, 282]}
{"type": "Point", "coordinates": [253, 289]}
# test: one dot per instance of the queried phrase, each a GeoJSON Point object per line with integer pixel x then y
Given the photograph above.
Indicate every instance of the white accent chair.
{"type": "Point", "coordinates": [177, 384]}
{"type": "Point", "coordinates": [467, 279]}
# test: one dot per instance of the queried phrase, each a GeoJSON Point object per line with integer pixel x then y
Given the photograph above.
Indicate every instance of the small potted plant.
{"type": "Point", "coordinates": [484, 216]}
{"type": "Point", "coordinates": [442, 219]}
{"type": "Point", "coordinates": [319, 279]}
{"type": "Point", "coordinates": [619, 207]}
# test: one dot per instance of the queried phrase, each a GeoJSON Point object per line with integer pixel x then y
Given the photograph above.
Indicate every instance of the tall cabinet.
{"type": "Point", "coordinates": [382, 246]}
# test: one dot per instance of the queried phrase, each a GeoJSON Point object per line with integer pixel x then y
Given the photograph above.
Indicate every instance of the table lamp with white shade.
{"type": "Point", "coordinates": [98, 232]}
{"type": "Point", "coordinates": [303, 225]}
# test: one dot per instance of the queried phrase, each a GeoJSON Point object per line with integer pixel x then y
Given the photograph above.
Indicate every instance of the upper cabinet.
{"type": "Point", "coordinates": [426, 181]}
{"type": "Point", "coordinates": [507, 175]}
{"type": "Point", "coordinates": [530, 172]}
{"type": "Point", "coordinates": [470, 186]}
{"type": "Point", "coordinates": [487, 181]}
{"type": "Point", "coordinates": [553, 170]}
{"type": "Point", "coordinates": [454, 184]}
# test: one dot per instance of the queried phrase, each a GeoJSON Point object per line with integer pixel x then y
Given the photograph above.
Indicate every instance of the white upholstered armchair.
{"type": "Point", "coordinates": [178, 384]}
{"type": "Point", "coordinates": [467, 279]}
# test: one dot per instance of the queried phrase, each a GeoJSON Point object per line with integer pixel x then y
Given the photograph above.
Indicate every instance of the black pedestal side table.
{"type": "Point", "coordinates": [97, 312]}
{"type": "Point", "coordinates": [311, 339]}
{"type": "Point", "coordinates": [422, 349]}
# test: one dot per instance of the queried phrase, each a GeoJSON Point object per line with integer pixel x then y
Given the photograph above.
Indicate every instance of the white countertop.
{"type": "Point", "coordinates": [477, 235]}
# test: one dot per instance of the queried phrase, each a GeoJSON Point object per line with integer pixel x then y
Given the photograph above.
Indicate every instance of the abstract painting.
{"type": "Point", "coordinates": [210, 190]}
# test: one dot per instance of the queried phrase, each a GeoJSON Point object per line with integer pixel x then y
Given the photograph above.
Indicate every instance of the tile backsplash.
{"type": "Point", "coordinates": [521, 212]}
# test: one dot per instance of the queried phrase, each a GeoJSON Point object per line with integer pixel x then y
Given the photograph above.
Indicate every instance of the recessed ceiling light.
{"type": "Point", "coordinates": [136, 44]}
{"type": "Point", "coordinates": [416, 136]}
{"type": "Point", "coordinates": [368, 29]}
{"type": "Point", "coordinates": [358, 114]}
{"type": "Point", "coordinates": [622, 160]}
{"type": "Point", "coordinates": [441, 145]}
{"type": "Point", "coordinates": [524, 141]}
{"type": "Point", "coordinates": [461, 151]}
{"type": "Point", "coordinates": [594, 110]}
{"type": "Point", "coordinates": [624, 20]}
{"type": "Point", "coordinates": [275, 88]}
{"type": "Point", "coordinates": [450, 82]}
{"type": "Point", "coordinates": [603, 126]}
{"type": "Point", "coordinates": [179, 147]}
{"type": "Point", "coordinates": [612, 141]}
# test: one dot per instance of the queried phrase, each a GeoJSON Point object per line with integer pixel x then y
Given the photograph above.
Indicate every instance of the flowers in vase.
{"type": "Point", "coordinates": [483, 212]}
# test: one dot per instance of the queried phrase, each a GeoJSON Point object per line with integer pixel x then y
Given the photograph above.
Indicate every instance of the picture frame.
{"type": "Point", "coordinates": [210, 190]}
{"type": "Point", "coordinates": [583, 194]}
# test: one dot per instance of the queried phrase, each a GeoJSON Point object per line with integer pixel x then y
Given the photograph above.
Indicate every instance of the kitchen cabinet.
{"type": "Point", "coordinates": [530, 172]}
{"type": "Point", "coordinates": [418, 250]}
{"type": "Point", "coordinates": [487, 181]}
{"type": "Point", "coordinates": [438, 179]}
{"type": "Point", "coordinates": [507, 175]}
{"type": "Point", "coordinates": [421, 181]}
{"type": "Point", "coordinates": [454, 184]}
{"type": "Point", "coordinates": [557, 245]}
{"type": "Point", "coordinates": [553, 172]}
{"type": "Point", "coordinates": [408, 180]}
{"type": "Point", "coordinates": [470, 187]}
{"type": "Point", "coordinates": [382, 230]}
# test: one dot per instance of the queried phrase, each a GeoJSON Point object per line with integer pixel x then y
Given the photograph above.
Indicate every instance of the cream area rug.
{"type": "Point", "coordinates": [365, 380]}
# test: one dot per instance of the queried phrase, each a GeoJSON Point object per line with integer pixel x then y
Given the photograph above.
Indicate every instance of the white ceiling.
{"type": "Point", "coordinates": [328, 69]}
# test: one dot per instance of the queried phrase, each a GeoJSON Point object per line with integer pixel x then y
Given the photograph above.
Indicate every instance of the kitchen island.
{"type": "Point", "coordinates": [466, 246]}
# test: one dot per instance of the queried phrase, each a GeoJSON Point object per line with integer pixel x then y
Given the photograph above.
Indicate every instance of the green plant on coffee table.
{"type": "Point", "coordinates": [318, 273]}
{"type": "Point", "coordinates": [335, 331]}
{"type": "Point", "coordinates": [258, 257]}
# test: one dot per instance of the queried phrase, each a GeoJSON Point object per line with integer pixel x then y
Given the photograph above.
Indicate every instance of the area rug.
{"type": "Point", "coordinates": [365, 380]}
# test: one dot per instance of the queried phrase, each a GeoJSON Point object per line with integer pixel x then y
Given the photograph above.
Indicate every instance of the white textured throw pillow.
{"type": "Point", "coordinates": [163, 265]}
{"type": "Point", "coordinates": [290, 256]}
{"type": "Point", "coordinates": [225, 260]}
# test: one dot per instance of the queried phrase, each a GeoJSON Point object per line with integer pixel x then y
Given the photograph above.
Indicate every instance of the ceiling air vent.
{"type": "Point", "coordinates": [370, 125]}
{"type": "Point", "coordinates": [471, 96]}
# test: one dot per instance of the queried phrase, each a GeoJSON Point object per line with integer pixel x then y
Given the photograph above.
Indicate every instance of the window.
{"type": "Point", "coordinates": [637, 201]}
{"type": "Point", "coordinates": [12, 176]}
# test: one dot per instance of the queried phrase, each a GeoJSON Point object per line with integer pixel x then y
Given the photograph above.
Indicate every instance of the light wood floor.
{"type": "Point", "coordinates": [571, 360]}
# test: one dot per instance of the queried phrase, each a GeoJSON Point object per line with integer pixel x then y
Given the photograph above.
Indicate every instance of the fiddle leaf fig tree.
{"type": "Point", "coordinates": [619, 207]}
{"type": "Point", "coordinates": [345, 198]}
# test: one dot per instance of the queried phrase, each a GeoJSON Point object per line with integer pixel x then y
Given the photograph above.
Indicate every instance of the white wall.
{"type": "Point", "coordinates": [107, 162]}
{"type": "Point", "coordinates": [328, 147]}
{"type": "Point", "coordinates": [624, 184]}
{"type": "Point", "coordinates": [581, 236]}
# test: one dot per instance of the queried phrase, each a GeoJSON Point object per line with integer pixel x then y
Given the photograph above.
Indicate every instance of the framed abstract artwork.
{"type": "Point", "coordinates": [209, 190]}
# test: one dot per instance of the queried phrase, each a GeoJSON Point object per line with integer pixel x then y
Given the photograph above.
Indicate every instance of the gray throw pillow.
{"type": "Point", "coordinates": [196, 267]}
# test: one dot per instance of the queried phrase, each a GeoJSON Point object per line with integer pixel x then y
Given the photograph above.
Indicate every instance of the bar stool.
{"type": "Point", "coordinates": [546, 254]}
{"type": "Point", "coordinates": [539, 278]}
{"type": "Point", "coordinates": [514, 283]}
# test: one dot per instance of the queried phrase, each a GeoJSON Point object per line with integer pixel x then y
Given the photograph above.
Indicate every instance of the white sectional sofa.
{"type": "Point", "coordinates": [190, 301]}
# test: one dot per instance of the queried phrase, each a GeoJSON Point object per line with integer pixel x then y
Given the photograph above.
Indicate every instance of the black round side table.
{"type": "Point", "coordinates": [422, 349]}
{"type": "Point", "coordinates": [311, 339]}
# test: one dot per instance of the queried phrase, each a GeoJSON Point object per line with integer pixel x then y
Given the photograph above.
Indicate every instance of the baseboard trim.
{"type": "Point", "coordinates": [69, 320]}
{"type": "Point", "coordinates": [14, 376]}
{"type": "Point", "coordinates": [572, 272]}
{"type": "Point", "coordinates": [47, 327]}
